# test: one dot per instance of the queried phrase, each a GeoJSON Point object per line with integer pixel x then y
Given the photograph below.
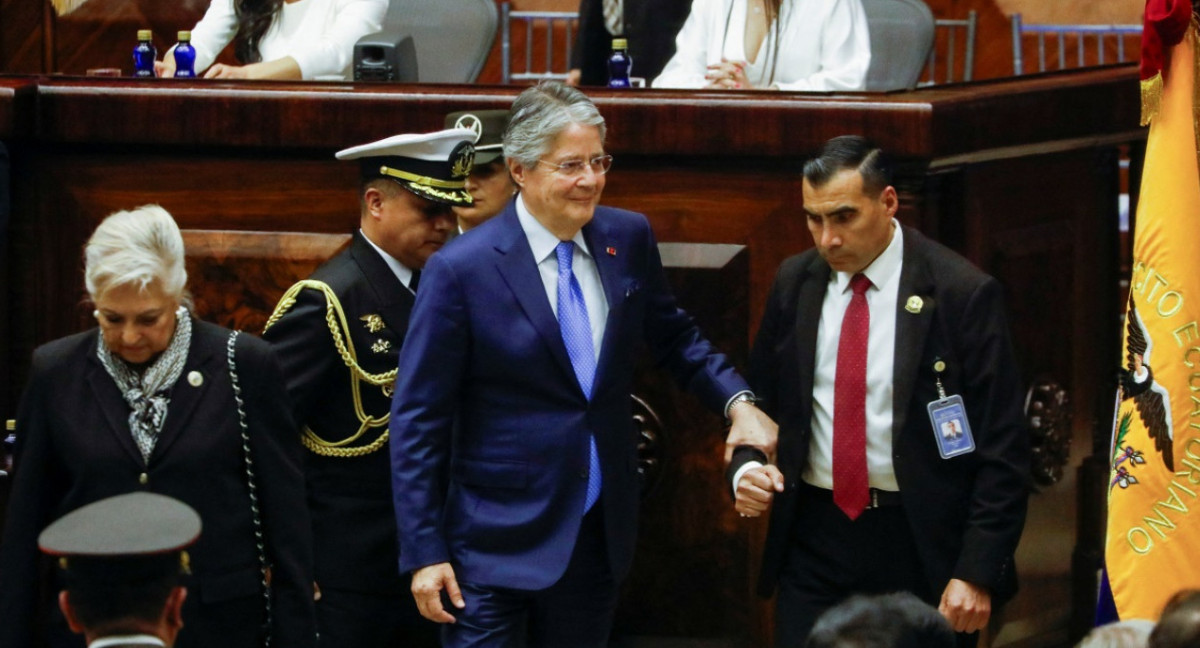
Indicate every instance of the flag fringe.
{"type": "Point", "coordinates": [1151, 97]}
{"type": "Point", "coordinates": [64, 7]}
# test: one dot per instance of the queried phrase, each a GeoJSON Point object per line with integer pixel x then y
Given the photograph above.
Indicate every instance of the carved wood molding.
{"type": "Point", "coordinates": [1048, 414]}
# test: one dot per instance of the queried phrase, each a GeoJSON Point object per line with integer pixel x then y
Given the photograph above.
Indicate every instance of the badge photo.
{"type": "Point", "coordinates": [950, 426]}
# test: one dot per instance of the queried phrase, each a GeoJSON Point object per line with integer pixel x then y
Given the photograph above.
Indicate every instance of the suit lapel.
{"type": "Point", "coordinates": [392, 298]}
{"type": "Point", "coordinates": [185, 396]}
{"type": "Point", "coordinates": [911, 328]}
{"type": "Point", "coordinates": [810, 299]}
{"type": "Point", "coordinates": [112, 403]}
{"type": "Point", "coordinates": [599, 239]}
{"type": "Point", "coordinates": [517, 266]}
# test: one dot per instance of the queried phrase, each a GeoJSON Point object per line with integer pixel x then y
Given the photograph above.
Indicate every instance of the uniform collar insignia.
{"type": "Point", "coordinates": [373, 322]}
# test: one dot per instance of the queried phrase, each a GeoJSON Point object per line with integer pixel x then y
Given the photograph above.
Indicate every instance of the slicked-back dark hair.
{"type": "Point", "coordinates": [850, 152]}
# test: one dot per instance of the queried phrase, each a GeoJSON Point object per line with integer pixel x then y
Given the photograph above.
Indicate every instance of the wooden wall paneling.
{"type": "Point", "coordinates": [689, 579]}
{"type": "Point", "coordinates": [23, 36]}
{"type": "Point", "coordinates": [236, 277]}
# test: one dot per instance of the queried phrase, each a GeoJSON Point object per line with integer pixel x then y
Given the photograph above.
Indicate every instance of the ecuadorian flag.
{"type": "Point", "coordinates": [1152, 549]}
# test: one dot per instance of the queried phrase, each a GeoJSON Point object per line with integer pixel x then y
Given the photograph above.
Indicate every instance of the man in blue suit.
{"type": "Point", "coordinates": [513, 451]}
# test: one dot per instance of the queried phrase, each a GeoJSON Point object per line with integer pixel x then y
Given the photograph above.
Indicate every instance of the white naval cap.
{"type": "Point", "coordinates": [434, 166]}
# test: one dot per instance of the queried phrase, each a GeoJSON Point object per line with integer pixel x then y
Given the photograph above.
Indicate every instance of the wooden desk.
{"type": "Point", "coordinates": [1019, 175]}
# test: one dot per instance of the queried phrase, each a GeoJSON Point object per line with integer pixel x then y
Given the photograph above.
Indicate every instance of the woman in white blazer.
{"type": "Point", "coordinates": [801, 45]}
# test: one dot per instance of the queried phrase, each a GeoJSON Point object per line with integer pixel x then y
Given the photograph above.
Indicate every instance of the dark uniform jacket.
{"type": "Point", "coordinates": [349, 486]}
{"type": "Point", "coordinates": [966, 513]}
{"type": "Point", "coordinates": [74, 447]}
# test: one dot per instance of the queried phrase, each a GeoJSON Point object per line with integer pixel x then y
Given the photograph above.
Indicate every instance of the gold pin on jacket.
{"type": "Point", "coordinates": [914, 304]}
{"type": "Point", "coordinates": [381, 346]}
{"type": "Point", "coordinates": [373, 322]}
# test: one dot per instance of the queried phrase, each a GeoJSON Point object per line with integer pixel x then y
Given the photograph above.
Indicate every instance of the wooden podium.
{"type": "Point", "coordinates": [1020, 175]}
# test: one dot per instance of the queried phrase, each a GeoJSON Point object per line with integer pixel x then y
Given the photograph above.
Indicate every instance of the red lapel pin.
{"type": "Point", "coordinates": [612, 251]}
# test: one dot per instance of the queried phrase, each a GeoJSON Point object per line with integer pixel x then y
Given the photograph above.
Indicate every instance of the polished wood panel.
{"type": "Point", "coordinates": [236, 278]}
{"type": "Point", "coordinates": [691, 580]}
{"type": "Point", "coordinates": [1019, 175]}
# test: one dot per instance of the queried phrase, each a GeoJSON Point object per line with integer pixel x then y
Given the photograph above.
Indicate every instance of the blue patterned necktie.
{"type": "Point", "coordinates": [577, 336]}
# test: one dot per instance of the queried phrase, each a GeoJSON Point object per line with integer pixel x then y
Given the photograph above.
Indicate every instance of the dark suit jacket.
{"type": "Point", "coordinates": [350, 498]}
{"type": "Point", "coordinates": [650, 26]}
{"type": "Point", "coordinates": [966, 512]}
{"type": "Point", "coordinates": [501, 497]}
{"type": "Point", "coordinates": [74, 447]}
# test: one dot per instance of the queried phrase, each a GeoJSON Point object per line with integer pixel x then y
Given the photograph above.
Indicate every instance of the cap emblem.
{"type": "Point", "coordinates": [463, 161]}
{"type": "Point", "coordinates": [471, 123]}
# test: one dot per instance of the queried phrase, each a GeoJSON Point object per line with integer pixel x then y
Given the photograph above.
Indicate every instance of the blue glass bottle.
{"type": "Point", "coordinates": [185, 57]}
{"type": "Point", "coordinates": [144, 55]}
{"type": "Point", "coordinates": [619, 64]}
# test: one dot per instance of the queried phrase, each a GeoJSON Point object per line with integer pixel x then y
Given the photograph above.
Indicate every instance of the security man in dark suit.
{"type": "Point", "coordinates": [337, 335]}
{"type": "Point", "coordinates": [870, 343]}
{"type": "Point", "coordinates": [123, 562]}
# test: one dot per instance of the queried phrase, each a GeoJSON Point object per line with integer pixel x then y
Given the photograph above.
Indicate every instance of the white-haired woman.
{"type": "Point", "coordinates": [147, 401]}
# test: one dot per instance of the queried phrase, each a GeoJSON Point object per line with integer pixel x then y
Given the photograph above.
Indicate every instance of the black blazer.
{"type": "Point", "coordinates": [650, 26]}
{"type": "Point", "coordinates": [966, 512]}
{"type": "Point", "coordinates": [354, 526]}
{"type": "Point", "coordinates": [74, 447]}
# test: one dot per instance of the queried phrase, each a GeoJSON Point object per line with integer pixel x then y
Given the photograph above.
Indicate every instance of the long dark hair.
{"type": "Point", "coordinates": [254, 18]}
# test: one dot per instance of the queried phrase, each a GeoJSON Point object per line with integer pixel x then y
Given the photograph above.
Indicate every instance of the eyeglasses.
{"type": "Point", "coordinates": [574, 168]}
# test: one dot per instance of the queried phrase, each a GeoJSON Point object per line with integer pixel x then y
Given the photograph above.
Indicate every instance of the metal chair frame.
{"type": "Point", "coordinates": [1059, 33]}
{"type": "Point", "coordinates": [950, 26]}
{"type": "Point", "coordinates": [569, 19]}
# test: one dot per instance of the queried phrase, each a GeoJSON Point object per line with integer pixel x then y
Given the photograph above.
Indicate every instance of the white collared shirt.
{"type": "Point", "coordinates": [128, 640]}
{"type": "Point", "coordinates": [884, 273]}
{"type": "Point", "coordinates": [543, 243]}
{"type": "Point", "coordinates": [402, 272]}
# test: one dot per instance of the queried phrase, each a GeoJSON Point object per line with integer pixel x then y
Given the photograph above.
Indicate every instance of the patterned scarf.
{"type": "Point", "coordinates": [149, 392]}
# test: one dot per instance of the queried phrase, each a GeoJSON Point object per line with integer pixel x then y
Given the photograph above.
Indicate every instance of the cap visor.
{"type": "Point", "coordinates": [453, 197]}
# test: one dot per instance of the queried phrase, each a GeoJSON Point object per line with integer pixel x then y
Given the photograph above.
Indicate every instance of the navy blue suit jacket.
{"type": "Point", "coordinates": [490, 428]}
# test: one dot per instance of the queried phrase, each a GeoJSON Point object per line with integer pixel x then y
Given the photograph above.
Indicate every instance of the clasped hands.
{"type": "Point", "coordinates": [727, 75]}
{"type": "Point", "coordinates": [750, 426]}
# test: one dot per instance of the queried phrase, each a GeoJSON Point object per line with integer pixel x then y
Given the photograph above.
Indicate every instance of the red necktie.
{"type": "Point", "coordinates": [850, 405]}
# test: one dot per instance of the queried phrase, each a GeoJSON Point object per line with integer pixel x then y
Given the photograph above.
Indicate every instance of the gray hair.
{"type": "Point", "coordinates": [1131, 633]}
{"type": "Point", "coordinates": [138, 246]}
{"type": "Point", "coordinates": [540, 113]}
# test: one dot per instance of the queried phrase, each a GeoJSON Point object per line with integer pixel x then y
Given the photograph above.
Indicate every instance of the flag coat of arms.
{"type": "Point", "coordinates": [1152, 548]}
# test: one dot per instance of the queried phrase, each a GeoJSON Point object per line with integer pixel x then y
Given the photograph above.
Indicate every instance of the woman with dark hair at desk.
{"type": "Point", "coordinates": [156, 400]}
{"type": "Point", "coordinates": [802, 45]}
{"type": "Point", "coordinates": [281, 39]}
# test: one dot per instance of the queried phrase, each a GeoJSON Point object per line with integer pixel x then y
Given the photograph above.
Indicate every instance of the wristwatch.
{"type": "Point", "coordinates": [744, 397]}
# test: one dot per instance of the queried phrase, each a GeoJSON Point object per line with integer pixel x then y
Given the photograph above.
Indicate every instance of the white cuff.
{"type": "Point", "coordinates": [746, 467]}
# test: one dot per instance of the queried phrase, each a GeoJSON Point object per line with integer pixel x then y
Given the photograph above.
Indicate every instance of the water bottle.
{"type": "Point", "coordinates": [185, 57]}
{"type": "Point", "coordinates": [619, 64]}
{"type": "Point", "coordinates": [144, 55]}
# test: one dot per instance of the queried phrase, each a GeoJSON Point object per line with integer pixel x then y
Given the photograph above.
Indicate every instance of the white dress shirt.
{"type": "Point", "coordinates": [884, 273]}
{"type": "Point", "coordinates": [543, 243]}
{"type": "Point", "coordinates": [319, 34]}
{"type": "Point", "coordinates": [882, 296]}
{"type": "Point", "coordinates": [402, 272]}
{"type": "Point", "coordinates": [128, 640]}
{"type": "Point", "coordinates": [823, 45]}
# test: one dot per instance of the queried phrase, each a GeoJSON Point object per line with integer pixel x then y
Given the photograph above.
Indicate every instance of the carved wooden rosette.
{"type": "Point", "coordinates": [1048, 414]}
